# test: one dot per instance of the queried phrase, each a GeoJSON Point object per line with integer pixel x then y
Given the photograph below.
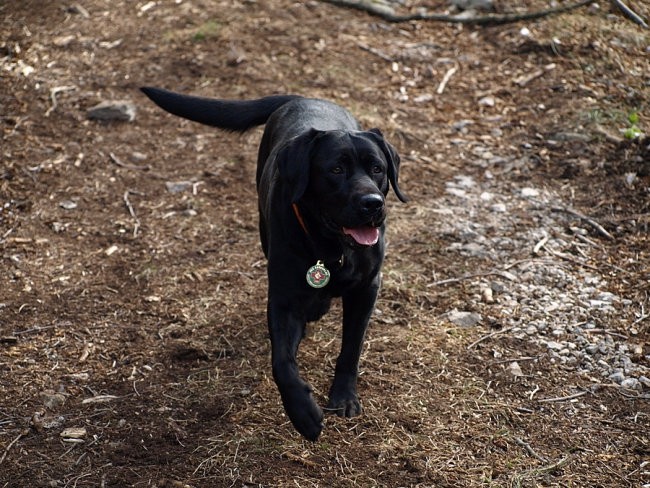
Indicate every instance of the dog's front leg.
{"type": "Point", "coordinates": [286, 331]}
{"type": "Point", "coordinates": [357, 308]}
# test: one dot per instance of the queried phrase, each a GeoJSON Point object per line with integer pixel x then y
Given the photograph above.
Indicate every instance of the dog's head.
{"type": "Point", "coordinates": [343, 178]}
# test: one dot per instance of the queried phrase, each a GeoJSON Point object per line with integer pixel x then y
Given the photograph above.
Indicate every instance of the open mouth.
{"type": "Point", "coordinates": [365, 235]}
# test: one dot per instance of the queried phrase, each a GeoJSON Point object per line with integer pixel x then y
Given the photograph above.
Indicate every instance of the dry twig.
{"type": "Point", "coordinates": [10, 445]}
{"type": "Point", "coordinates": [503, 274]}
{"type": "Point", "coordinates": [564, 398]}
{"type": "Point", "coordinates": [599, 228]}
{"type": "Point", "coordinates": [537, 472]}
{"type": "Point", "coordinates": [127, 202]}
{"type": "Point", "coordinates": [53, 93]}
{"type": "Point", "coordinates": [445, 79]}
{"type": "Point", "coordinates": [122, 164]}
{"type": "Point", "coordinates": [530, 450]}
{"type": "Point", "coordinates": [630, 14]}
{"type": "Point", "coordinates": [486, 337]}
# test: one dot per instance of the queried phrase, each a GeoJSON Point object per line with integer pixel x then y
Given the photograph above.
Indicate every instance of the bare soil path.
{"type": "Point", "coordinates": [510, 346]}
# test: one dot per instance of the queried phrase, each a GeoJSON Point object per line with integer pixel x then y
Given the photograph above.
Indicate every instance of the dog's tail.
{"type": "Point", "coordinates": [232, 115]}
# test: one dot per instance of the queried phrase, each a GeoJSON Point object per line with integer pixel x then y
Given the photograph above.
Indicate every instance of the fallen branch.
{"type": "Point", "coordinates": [387, 13]}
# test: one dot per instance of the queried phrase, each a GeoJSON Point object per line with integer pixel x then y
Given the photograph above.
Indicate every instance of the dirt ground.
{"type": "Point", "coordinates": [133, 344]}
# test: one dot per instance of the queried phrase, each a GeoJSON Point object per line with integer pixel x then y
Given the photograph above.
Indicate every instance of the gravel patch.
{"type": "Point", "coordinates": [546, 276]}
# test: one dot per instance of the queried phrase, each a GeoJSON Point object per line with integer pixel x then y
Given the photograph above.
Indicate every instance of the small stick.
{"type": "Point", "coordinates": [132, 211]}
{"type": "Point", "coordinates": [503, 274]}
{"type": "Point", "coordinates": [605, 331]}
{"type": "Point", "coordinates": [540, 244]}
{"type": "Point", "coordinates": [530, 450]}
{"type": "Point", "coordinates": [564, 398]}
{"type": "Point", "coordinates": [445, 79]}
{"type": "Point", "coordinates": [121, 164]}
{"type": "Point", "coordinates": [517, 479]}
{"type": "Point", "coordinates": [566, 257]}
{"type": "Point", "coordinates": [53, 93]}
{"type": "Point", "coordinates": [22, 434]}
{"type": "Point", "coordinates": [486, 337]}
{"type": "Point", "coordinates": [376, 52]}
{"type": "Point", "coordinates": [630, 14]}
{"type": "Point", "coordinates": [589, 220]}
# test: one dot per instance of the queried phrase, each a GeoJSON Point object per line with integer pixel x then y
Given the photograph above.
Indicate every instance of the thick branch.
{"type": "Point", "coordinates": [387, 14]}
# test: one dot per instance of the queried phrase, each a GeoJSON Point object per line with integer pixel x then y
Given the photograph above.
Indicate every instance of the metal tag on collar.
{"type": "Point", "coordinates": [318, 275]}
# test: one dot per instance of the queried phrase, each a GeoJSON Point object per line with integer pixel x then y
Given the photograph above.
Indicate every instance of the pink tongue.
{"type": "Point", "coordinates": [366, 236]}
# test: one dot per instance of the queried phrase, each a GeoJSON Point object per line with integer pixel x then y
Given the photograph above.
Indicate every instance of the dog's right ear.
{"type": "Point", "coordinates": [293, 161]}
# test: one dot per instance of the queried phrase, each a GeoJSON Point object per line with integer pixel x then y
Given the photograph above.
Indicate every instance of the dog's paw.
{"type": "Point", "coordinates": [344, 404]}
{"type": "Point", "coordinates": [305, 415]}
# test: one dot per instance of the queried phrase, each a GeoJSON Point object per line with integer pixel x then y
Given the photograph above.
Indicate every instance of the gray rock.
{"type": "Point", "coordinates": [631, 383]}
{"type": "Point", "coordinates": [617, 377]}
{"type": "Point", "coordinates": [112, 110]}
{"type": "Point", "coordinates": [464, 319]}
{"type": "Point", "coordinates": [51, 399]}
{"type": "Point", "coordinates": [178, 186]}
{"type": "Point", "coordinates": [486, 5]}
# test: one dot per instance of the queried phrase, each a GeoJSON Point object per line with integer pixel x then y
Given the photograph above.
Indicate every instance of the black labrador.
{"type": "Point", "coordinates": [322, 183]}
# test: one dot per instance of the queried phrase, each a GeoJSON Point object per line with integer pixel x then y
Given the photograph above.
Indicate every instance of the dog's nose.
{"type": "Point", "coordinates": [373, 203]}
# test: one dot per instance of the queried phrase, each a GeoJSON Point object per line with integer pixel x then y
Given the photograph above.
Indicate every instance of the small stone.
{"type": "Point", "coordinates": [631, 384]}
{"type": "Point", "coordinates": [112, 110]}
{"type": "Point", "coordinates": [473, 4]}
{"type": "Point", "coordinates": [73, 434]}
{"type": "Point", "coordinates": [178, 186]}
{"type": "Point", "coordinates": [487, 102]}
{"type": "Point", "coordinates": [487, 294]}
{"type": "Point", "coordinates": [617, 377]}
{"type": "Point", "coordinates": [68, 205]}
{"type": "Point", "coordinates": [515, 369]}
{"type": "Point", "coordinates": [529, 192]}
{"type": "Point", "coordinates": [137, 157]}
{"type": "Point", "coordinates": [555, 346]}
{"type": "Point", "coordinates": [499, 208]}
{"type": "Point", "coordinates": [464, 319]}
{"type": "Point", "coordinates": [52, 399]}
{"type": "Point", "coordinates": [426, 97]}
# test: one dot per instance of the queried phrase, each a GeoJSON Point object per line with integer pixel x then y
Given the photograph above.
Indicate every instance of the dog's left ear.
{"type": "Point", "coordinates": [392, 158]}
{"type": "Point", "coordinates": [293, 160]}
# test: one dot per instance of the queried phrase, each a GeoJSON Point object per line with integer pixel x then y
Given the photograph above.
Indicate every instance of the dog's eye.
{"type": "Point", "coordinates": [377, 169]}
{"type": "Point", "coordinates": [337, 170]}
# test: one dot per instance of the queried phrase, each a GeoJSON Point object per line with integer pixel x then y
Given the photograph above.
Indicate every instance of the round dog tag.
{"type": "Point", "coordinates": [318, 275]}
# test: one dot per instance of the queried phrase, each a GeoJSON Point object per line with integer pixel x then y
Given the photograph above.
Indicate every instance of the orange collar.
{"type": "Point", "coordinates": [301, 221]}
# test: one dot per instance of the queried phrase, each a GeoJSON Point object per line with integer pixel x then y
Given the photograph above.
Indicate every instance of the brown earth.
{"type": "Point", "coordinates": [137, 314]}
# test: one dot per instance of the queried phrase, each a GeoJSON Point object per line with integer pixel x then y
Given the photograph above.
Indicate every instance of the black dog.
{"type": "Point", "coordinates": [322, 182]}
